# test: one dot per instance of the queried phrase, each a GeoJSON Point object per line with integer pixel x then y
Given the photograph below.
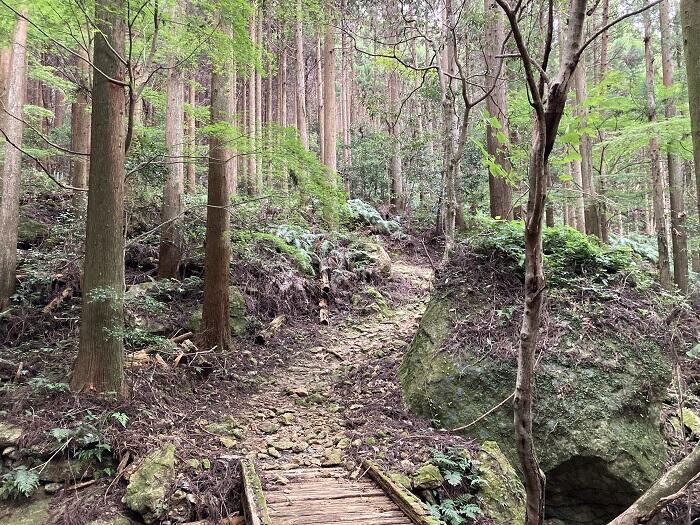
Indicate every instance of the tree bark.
{"type": "Point", "coordinates": [320, 99]}
{"type": "Point", "coordinates": [215, 332]}
{"type": "Point", "coordinates": [252, 178]}
{"type": "Point", "coordinates": [679, 238]}
{"type": "Point", "coordinates": [302, 118]}
{"type": "Point", "coordinates": [330, 123]}
{"type": "Point", "coordinates": [170, 250]}
{"type": "Point", "coordinates": [80, 132]}
{"type": "Point", "coordinates": [99, 365]}
{"type": "Point", "coordinates": [500, 191]}
{"type": "Point", "coordinates": [191, 125]}
{"type": "Point", "coordinates": [689, 10]}
{"type": "Point", "coordinates": [11, 168]}
{"type": "Point", "coordinates": [259, 108]}
{"type": "Point", "coordinates": [397, 196]}
{"type": "Point", "coordinates": [592, 219]}
{"type": "Point", "coordinates": [654, 158]}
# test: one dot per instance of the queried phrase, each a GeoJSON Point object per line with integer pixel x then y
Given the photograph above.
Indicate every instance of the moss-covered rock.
{"type": "Point", "coordinates": [427, 477]}
{"type": "Point", "coordinates": [151, 483]}
{"type": "Point", "coordinates": [237, 320]}
{"type": "Point", "coordinates": [502, 493]}
{"type": "Point", "coordinates": [597, 405]}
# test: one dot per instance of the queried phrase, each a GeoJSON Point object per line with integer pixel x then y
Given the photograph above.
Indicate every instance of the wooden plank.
{"type": "Point", "coordinates": [408, 502]}
{"type": "Point", "coordinates": [277, 510]}
{"type": "Point", "coordinates": [254, 504]}
{"type": "Point", "coordinates": [281, 498]}
{"type": "Point", "coordinates": [326, 519]}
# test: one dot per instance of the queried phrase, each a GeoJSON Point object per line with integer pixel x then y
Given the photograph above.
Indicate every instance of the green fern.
{"type": "Point", "coordinates": [19, 482]}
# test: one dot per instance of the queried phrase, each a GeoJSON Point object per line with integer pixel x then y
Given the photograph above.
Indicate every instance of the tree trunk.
{"type": "Point", "coordinates": [258, 109]}
{"type": "Point", "coordinates": [302, 119]}
{"type": "Point", "coordinates": [252, 178]}
{"type": "Point", "coordinates": [11, 168]}
{"type": "Point", "coordinates": [592, 220]}
{"type": "Point", "coordinates": [397, 197]}
{"type": "Point", "coordinates": [691, 44]}
{"type": "Point", "coordinates": [330, 124]}
{"type": "Point", "coordinates": [500, 191]}
{"type": "Point", "coordinates": [654, 158]}
{"type": "Point", "coordinates": [99, 365]}
{"type": "Point", "coordinates": [346, 104]}
{"type": "Point", "coordinates": [191, 125]}
{"type": "Point", "coordinates": [170, 250]}
{"type": "Point", "coordinates": [548, 113]}
{"type": "Point", "coordinates": [215, 332]}
{"type": "Point", "coordinates": [319, 96]}
{"type": "Point", "coordinates": [679, 239]}
{"type": "Point", "coordinates": [673, 481]}
{"type": "Point", "coordinates": [80, 133]}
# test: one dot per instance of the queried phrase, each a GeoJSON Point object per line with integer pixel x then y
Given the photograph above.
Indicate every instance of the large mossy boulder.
{"type": "Point", "coordinates": [237, 318]}
{"type": "Point", "coordinates": [151, 484]}
{"type": "Point", "coordinates": [600, 379]}
{"type": "Point", "coordinates": [32, 511]}
{"type": "Point", "coordinates": [501, 492]}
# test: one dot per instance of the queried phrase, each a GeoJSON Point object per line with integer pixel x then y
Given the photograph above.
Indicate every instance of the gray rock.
{"type": "Point", "coordinates": [150, 484]}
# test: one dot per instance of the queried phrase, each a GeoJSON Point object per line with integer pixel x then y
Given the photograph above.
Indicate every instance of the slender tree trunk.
{"type": "Point", "coordinates": [302, 118]}
{"type": "Point", "coordinates": [330, 123]}
{"type": "Point", "coordinates": [654, 158]}
{"type": "Point", "coordinates": [592, 220]}
{"type": "Point", "coordinates": [346, 101]}
{"type": "Point", "coordinates": [191, 124]}
{"type": "Point", "coordinates": [679, 239]}
{"type": "Point", "coordinates": [232, 165]}
{"type": "Point", "coordinates": [170, 250]}
{"type": "Point", "coordinates": [395, 165]}
{"type": "Point", "coordinates": [320, 99]}
{"type": "Point", "coordinates": [500, 191]}
{"type": "Point", "coordinates": [99, 365]}
{"type": "Point", "coordinates": [11, 168]}
{"type": "Point", "coordinates": [80, 133]}
{"type": "Point", "coordinates": [282, 108]}
{"type": "Point", "coordinates": [690, 21]}
{"type": "Point", "coordinates": [548, 113]}
{"type": "Point", "coordinates": [5, 56]}
{"type": "Point", "coordinates": [215, 332]}
{"type": "Point", "coordinates": [259, 109]}
{"type": "Point", "coordinates": [578, 205]}
{"type": "Point", "coordinates": [602, 71]}
{"type": "Point", "coordinates": [252, 178]}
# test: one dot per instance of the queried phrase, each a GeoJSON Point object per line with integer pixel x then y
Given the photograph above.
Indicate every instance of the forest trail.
{"type": "Point", "coordinates": [296, 433]}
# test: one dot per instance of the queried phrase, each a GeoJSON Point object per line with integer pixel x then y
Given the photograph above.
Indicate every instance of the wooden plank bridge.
{"type": "Point", "coordinates": [325, 496]}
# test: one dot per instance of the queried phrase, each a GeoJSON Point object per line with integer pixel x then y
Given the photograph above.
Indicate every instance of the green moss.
{"type": "Point", "coordinates": [151, 483]}
{"type": "Point", "coordinates": [237, 318]}
{"type": "Point", "coordinates": [502, 493]}
{"type": "Point", "coordinates": [30, 232]}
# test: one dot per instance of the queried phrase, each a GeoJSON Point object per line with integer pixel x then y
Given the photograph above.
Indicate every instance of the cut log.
{"type": "Point", "coordinates": [323, 315]}
{"type": "Point", "coordinates": [182, 337]}
{"type": "Point", "coordinates": [326, 280]}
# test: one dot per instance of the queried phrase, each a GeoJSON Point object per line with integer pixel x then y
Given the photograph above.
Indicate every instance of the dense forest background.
{"type": "Point", "coordinates": [200, 198]}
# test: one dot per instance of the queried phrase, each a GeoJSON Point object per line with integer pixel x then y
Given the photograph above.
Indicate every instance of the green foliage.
{"type": "Point", "coordinates": [458, 504]}
{"type": "Point", "coordinates": [568, 253]}
{"type": "Point", "coordinates": [47, 386]}
{"type": "Point", "coordinates": [85, 440]}
{"type": "Point", "coordinates": [20, 482]}
{"type": "Point", "coordinates": [365, 213]}
{"type": "Point", "coordinates": [300, 256]}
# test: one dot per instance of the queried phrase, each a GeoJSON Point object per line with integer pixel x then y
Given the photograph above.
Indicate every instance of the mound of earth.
{"type": "Point", "coordinates": [601, 371]}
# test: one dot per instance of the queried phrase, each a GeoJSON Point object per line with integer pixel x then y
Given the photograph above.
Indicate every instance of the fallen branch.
{"type": "Point", "coordinates": [671, 483]}
{"type": "Point", "coordinates": [482, 416]}
{"type": "Point", "coordinates": [182, 337]}
{"type": "Point", "coordinates": [65, 294]}
{"type": "Point", "coordinates": [430, 259]}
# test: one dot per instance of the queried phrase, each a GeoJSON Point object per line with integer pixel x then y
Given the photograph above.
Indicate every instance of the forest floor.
{"type": "Point", "coordinates": [311, 395]}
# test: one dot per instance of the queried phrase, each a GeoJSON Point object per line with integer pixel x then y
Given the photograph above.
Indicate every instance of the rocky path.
{"type": "Point", "coordinates": [293, 422]}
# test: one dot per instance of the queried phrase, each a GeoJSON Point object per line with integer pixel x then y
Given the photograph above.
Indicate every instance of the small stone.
{"type": "Point", "coordinates": [52, 488]}
{"type": "Point", "coordinates": [268, 427]}
{"type": "Point", "coordinates": [298, 391]}
{"type": "Point", "coordinates": [272, 451]}
{"type": "Point", "coordinates": [316, 398]}
{"type": "Point", "coordinates": [343, 443]}
{"type": "Point", "coordinates": [282, 444]}
{"type": "Point", "coordinates": [9, 435]}
{"type": "Point", "coordinates": [286, 419]}
{"type": "Point", "coordinates": [262, 455]}
{"type": "Point", "coordinates": [332, 457]}
{"type": "Point", "coordinates": [228, 442]}
{"type": "Point", "coordinates": [300, 446]}
{"type": "Point", "coordinates": [356, 443]}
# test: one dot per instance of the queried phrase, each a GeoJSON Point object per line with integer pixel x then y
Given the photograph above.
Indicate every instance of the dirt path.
{"type": "Point", "coordinates": [296, 419]}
